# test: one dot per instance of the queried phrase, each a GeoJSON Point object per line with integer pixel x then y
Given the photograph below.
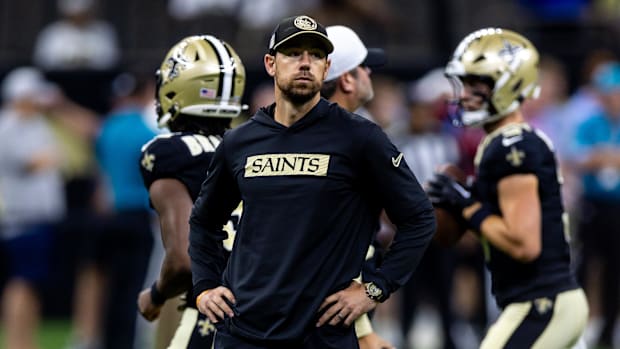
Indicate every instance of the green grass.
{"type": "Point", "coordinates": [54, 334]}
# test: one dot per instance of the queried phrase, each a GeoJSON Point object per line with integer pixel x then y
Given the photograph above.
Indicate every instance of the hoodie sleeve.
{"type": "Point", "coordinates": [218, 197]}
{"type": "Point", "coordinates": [407, 206]}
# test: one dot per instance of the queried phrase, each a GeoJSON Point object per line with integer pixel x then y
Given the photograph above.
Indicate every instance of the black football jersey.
{"type": "Point", "coordinates": [520, 149]}
{"type": "Point", "coordinates": [182, 155]}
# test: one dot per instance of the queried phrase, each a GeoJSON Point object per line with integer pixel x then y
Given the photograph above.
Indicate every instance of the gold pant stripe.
{"type": "Point", "coordinates": [184, 332]}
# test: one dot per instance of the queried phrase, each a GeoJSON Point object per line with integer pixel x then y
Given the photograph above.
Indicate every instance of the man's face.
{"type": "Point", "coordinates": [299, 68]}
{"type": "Point", "coordinates": [363, 84]}
{"type": "Point", "coordinates": [475, 94]}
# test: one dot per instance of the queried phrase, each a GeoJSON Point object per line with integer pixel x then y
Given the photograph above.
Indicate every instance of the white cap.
{"type": "Point", "coordinates": [349, 52]}
{"type": "Point", "coordinates": [26, 82]}
{"type": "Point", "coordinates": [430, 87]}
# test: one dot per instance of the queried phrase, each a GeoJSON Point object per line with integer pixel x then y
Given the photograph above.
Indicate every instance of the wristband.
{"type": "Point", "coordinates": [156, 297]}
{"type": "Point", "coordinates": [200, 296]}
{"type": "Point", "coordinates": [475, 221]}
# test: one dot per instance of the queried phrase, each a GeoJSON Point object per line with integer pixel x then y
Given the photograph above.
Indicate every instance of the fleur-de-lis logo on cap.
{"type": "Point", "coordinates": [305, 23]}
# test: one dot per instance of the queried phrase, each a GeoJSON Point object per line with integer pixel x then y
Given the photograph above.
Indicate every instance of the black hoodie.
{"type": "Point", "coordinates": [312, 194]}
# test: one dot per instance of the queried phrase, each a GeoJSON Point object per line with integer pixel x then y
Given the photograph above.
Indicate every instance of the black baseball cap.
{"type": "Point", "coordinates": [292, 27]}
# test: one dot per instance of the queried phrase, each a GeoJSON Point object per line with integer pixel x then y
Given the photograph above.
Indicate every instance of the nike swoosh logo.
{"type": "Point", "coordinates": [507, 142]}
{"type": "Point", "coordinates": [396, 160]}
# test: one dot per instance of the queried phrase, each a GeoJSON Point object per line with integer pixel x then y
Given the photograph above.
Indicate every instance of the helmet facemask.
{"type": "Point", "coordinates": [463, 115]}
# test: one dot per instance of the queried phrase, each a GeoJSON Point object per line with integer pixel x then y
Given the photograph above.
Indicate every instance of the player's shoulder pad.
{"type": "Point", "coordinates": [164, 153]}
{"type": "Point", "coordinates": [515, 148]}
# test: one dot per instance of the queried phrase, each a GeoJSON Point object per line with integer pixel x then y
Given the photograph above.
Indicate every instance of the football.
{"type": "Point", "coordinates": [450, 229]}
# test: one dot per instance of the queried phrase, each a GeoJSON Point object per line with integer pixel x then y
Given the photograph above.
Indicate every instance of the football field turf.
{"type": "Point", "coordinates": [53, 334]}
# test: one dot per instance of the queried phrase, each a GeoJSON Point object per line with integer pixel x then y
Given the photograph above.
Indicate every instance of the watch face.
{"type": "Point", "coordinates": [373, 290]}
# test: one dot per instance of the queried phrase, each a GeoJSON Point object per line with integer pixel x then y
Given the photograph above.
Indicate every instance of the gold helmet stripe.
{"type": "Point", "coordinates": [228, 68]}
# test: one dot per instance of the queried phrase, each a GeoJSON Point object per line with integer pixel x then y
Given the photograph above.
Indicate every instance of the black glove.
{"type": "Point", "coordinates": [447, 193]}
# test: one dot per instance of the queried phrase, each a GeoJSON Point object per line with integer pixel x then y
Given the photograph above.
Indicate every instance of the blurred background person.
{"type": "Point", "coordinates": [426, 146]}
{"type": "Point", "coordinates": [388, 105]}
{"type": "Point", "coordinates": [582, 103]}
{"type": "Point", "coordinates": [77, 40]}
{"type": "Point", "coordinates": [31, 193]}
{"type": "Point", "coordinates": [117, 252]}
{"type": "Point", "coordinates": [597, 144]}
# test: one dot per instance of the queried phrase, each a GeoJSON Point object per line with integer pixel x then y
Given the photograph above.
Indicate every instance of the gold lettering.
{"type": "Point", "coordinates": [287, 165]}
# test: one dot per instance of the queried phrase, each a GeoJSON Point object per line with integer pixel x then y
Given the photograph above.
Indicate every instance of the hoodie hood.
{"type": "Point", "coordinates": [265, 116]}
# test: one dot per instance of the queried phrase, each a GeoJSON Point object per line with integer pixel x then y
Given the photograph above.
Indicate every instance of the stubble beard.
{"type": "Point", "coordinates": [370, 94]}
{"type": "Point", "coordinates": [298, 94]}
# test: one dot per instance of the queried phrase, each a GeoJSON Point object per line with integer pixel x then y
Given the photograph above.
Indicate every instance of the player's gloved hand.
{"type": "Point", "coordinates": [447, 193]}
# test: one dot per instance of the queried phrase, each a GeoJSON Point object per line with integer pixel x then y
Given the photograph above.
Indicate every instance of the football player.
{"type": "Point", "coordinates": [515, 204]}
{"type": "Point", "coordinates": [199, 88]}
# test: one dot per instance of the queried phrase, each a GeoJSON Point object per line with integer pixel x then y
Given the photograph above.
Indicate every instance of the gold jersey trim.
{"type": "Point", "coordinates": [295, 164]}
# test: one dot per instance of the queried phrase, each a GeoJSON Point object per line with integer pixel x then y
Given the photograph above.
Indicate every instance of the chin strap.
{"type": "Point", "coordinates": [162, 122]}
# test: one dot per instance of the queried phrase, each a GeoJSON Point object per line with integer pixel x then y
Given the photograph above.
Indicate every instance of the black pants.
{"type": "Point", "coordinates": [599, 231]}
{"type": "Point", "coordinates": [121, 249]}
{"type": "Point", "coordinates": [432, 281]}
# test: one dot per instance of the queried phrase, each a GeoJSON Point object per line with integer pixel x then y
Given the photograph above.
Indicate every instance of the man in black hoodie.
{"type": "Point", "coordinates": [313, 178]}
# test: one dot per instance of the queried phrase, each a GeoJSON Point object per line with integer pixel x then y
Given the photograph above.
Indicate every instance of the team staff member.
{"type": "Point", "coordinates": [348, 83]}
{"type": "Point", "coordinates": [516, 205]}
{"type": "Point", "coordinates": [313, 179]}
{"type": "Point", "coordinates": [199, 89]}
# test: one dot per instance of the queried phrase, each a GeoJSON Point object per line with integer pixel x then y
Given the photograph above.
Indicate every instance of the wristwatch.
{"type": "Point", "coordinates": [373, 291]}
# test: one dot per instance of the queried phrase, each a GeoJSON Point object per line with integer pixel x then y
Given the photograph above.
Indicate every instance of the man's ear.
{"type": "Point", "coordinates": [347, 82]}
{"type": "Point", "coordinates": [270, 63]}
{"type": "Point", "coordinates": [329, 62]}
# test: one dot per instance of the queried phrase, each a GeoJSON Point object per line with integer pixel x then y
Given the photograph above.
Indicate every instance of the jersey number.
{"type": "Point", "coordinates": [198, 144]}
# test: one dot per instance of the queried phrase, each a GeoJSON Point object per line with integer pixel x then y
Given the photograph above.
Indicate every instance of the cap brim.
{"type": "Point", "coordinates": [329, 47]}
{"type": "Point", "coordinates": [375, 58]}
